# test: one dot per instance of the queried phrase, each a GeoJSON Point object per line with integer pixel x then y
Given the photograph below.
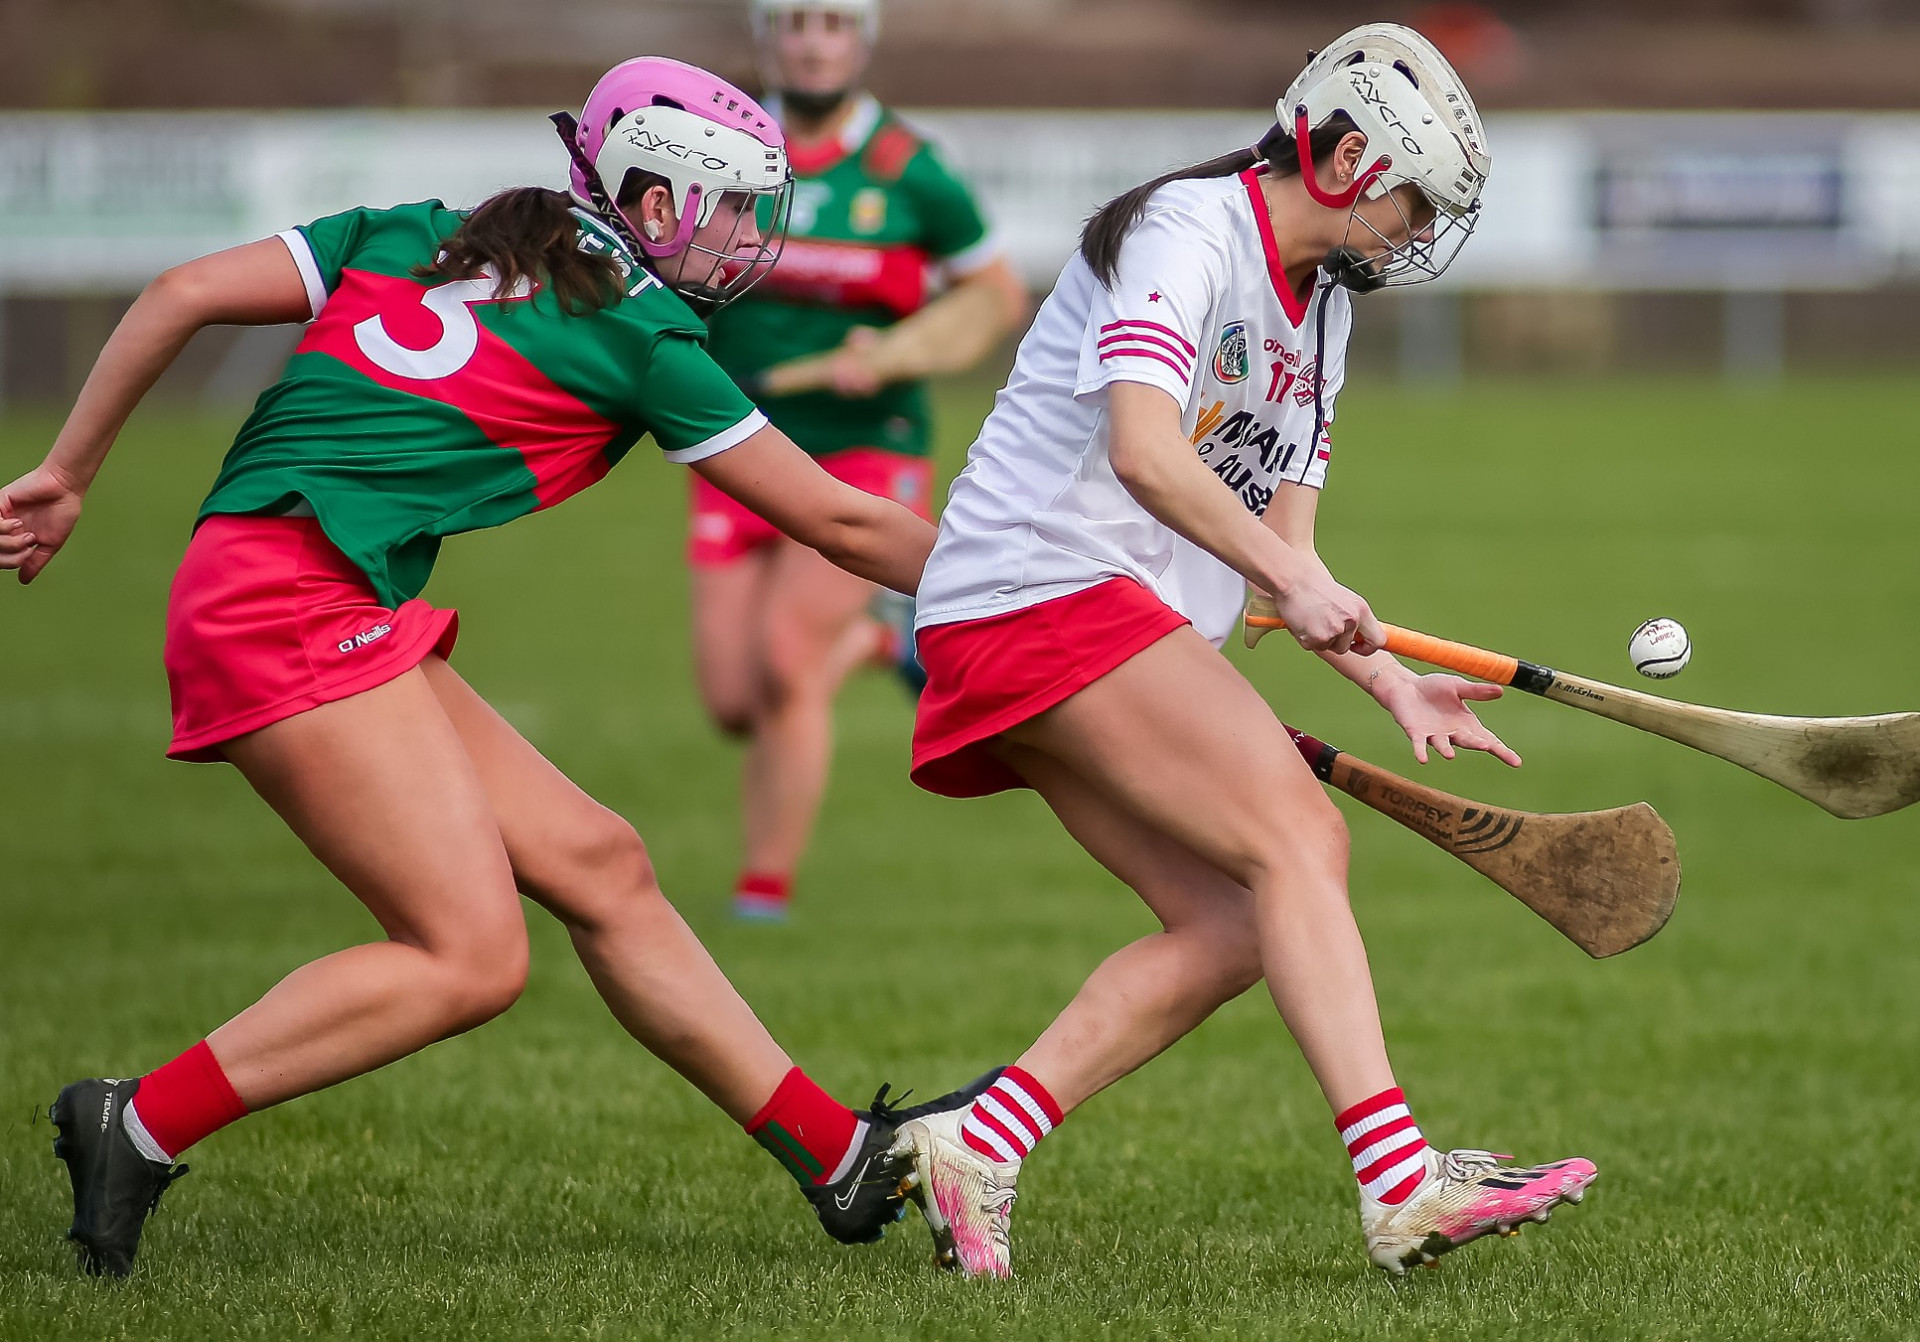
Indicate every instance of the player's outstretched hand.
{"type": "Point", "coordinates": [37, 514]}
{"type": "Point", "coordinates": [1433, 712]}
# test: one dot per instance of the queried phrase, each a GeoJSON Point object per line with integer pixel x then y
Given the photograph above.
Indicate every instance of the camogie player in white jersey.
{"type": "Point", "coordinates": [1161, 444]}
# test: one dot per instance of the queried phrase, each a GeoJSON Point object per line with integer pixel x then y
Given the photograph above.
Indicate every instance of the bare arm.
{"type": "Point", "coordinates": [253, 285]}
{"type": "Point", "coordinates": [1154, 459]}
{"type": "Point", "coordinates": [949, 335]}
{"type": "Point", "coordinates": [871, 537]}
{"type": "Point", "coordinates": [1291, 516]}
{"type": "Point", "coordinates": [1432, 710]}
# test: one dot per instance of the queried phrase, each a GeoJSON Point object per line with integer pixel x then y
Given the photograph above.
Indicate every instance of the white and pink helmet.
{"type": "Point", "coordinates": [706, 138]}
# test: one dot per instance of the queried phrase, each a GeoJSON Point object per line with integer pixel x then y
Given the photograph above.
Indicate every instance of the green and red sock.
{"type": "Point", "coordinates": [807, 1130]}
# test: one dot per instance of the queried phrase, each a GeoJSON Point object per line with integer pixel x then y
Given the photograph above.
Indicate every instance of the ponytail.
{"type": "Point", "coordinates": [1109, 225]}
{"type": "Point", "coordinates": [528, 233]}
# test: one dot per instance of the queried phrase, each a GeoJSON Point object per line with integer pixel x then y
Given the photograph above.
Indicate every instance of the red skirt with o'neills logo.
{"type": "Point", "coordinates": [984, 676]}
{"type": "Point", "coordinates": [267, 619]}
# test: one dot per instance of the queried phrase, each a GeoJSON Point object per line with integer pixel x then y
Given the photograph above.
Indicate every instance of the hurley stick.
{"type": "Point", "coordinates": [1854, 767]}
{"type": "Point", "coordinates": [1607, 880]}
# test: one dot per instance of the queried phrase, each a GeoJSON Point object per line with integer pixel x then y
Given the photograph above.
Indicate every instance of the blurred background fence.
{"type": "Point", "coordinates": [1665, 233]}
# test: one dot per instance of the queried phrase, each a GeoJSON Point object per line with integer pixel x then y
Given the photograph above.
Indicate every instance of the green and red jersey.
{"type": "Point", "coordinates": [417, 409]}
{"type": "Point", "coordinates": [874, 213]}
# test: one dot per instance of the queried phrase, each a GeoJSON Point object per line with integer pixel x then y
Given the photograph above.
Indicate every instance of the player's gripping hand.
{"type": "Point", "coordinates": [854, 377]}
{"type": "Point", "coordinates": [37, 514]}
{"type": "Point", "coordinates": [1433, 712]}
{"type": "Point", "coordinates": [1326, 617]}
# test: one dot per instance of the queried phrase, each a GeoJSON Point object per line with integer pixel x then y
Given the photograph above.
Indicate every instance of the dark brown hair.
{"type": "Point", "coordinates": [1109, 225]}
{"type": "Point", "coordinates": [530, 233]}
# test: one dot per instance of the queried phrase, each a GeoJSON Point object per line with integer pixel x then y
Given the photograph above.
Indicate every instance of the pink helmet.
{"type": "Point", "coordinates": [703, 135]}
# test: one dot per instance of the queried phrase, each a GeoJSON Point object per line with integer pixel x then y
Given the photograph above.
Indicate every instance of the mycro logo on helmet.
{"type": "Point", "coordinates": [1370, 94]}
{"type": "Point", "coordinates": [642, 138]}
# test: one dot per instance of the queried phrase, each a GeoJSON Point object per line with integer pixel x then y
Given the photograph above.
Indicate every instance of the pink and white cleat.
{"type": "Point", "coordinates": [1465, 1195]}
{"type": "Point", "coordinates": [966, 1198]}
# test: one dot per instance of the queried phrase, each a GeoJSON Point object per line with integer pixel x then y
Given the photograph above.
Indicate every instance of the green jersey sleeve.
{"type": "Point", "coordinates": [955, 229]}
{"type": "Point", "coordinates": [325, 247]}
{"type": "Point", "coordinates": [692, 409]}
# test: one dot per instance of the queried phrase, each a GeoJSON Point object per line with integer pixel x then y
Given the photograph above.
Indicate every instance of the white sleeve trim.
{"type": "Point", "coordinates": [720, 442]}
{"type": "Point", "coordinates": [971, 260]}
{"type": "Point", "coordinates": [309, 268]}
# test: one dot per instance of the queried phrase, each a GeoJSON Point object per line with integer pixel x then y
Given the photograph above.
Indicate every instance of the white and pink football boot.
{"type": "Point", "coordinates": [966, 1198]}
{"type": "Point", "coordinates": [1467, 1194]}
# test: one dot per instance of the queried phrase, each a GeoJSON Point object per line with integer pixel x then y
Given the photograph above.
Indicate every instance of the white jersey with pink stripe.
{"type": "Point", "coordinates": [1198, 308]}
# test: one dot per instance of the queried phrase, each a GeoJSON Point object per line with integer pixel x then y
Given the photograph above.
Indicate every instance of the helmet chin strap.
{"type": "Point", "coordinates": [1349, 268]}
{"type": "Point", "coordinates": [814, 106]}
{"type": "Point", "coordinates": [1302, 136]}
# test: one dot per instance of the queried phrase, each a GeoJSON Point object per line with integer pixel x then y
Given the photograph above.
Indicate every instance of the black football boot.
{"type": "Point", "coordinates": [858, 1207]}
{"type": "Point", "coordinates": [115, 1188]}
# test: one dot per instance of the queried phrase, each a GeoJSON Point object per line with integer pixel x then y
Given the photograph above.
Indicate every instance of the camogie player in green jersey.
{"type": "Point", "coordinates": [889, 276]}
{"type": "Point", "coordinates": [460, 370]}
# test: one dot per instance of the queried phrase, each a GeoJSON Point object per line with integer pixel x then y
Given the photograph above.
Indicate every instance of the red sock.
{"type": "Point", "coordinates": [763, 891]}
{"type": "Point", "coordinates": [1386, 1146]}
{"type": "Point", "coordinates": [182, 1102]}
{"type": "Point", "coordinates": [806, 1129]}
{"type": "Point", "coordinates": [1009, 1120]}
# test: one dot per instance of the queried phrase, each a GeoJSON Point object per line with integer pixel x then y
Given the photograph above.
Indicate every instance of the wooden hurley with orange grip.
{"type": "Point", "coordinates": [1607, 880]}
{"type": "Point", "coordinates": [1853, 767]}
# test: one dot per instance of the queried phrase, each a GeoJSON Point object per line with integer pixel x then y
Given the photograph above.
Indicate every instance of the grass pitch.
{"type": "Point", "coordinates": [1746, 1081]}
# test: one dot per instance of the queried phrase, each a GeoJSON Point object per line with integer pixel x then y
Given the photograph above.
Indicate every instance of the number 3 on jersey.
{"type": "Point", "coordinates": [452, 304]}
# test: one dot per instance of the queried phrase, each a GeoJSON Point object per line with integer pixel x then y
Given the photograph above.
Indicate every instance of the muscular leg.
{"type": "Point", "coordinates": [1152, 992]}
{"type": "Point", "coordinates": [586, 865]}
{"type": "Point", "coordinates": [814, 634]}
{"type": "Point", "coordinates": [380, 788]}
{"type": "Point", "coordinates": [1178, 738]}
{"type": "Point", "coordinates": [729, 601]}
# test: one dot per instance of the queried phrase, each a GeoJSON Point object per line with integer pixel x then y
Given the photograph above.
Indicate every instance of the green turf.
{"type": "Point", "coordinates": [1747, 1082]}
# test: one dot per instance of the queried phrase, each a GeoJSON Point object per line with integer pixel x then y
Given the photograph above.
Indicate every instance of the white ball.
{"type": "Point", "coordinates": [1660, 648]}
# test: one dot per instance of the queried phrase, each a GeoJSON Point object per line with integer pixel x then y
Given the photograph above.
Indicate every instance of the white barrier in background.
{"type": "Point", "coordinates": [1760, 202]}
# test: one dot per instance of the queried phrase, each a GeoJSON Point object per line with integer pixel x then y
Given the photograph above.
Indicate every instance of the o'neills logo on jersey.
{"type": "Point", "coordinates": [1230, 362]}
{"type": "Point", "coordinates": [364, 637]}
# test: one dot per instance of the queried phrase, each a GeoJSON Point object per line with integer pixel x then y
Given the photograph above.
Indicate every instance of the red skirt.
{"type": "Point", "coordinates": [984, 676]}
{"type": "Point", "coordinates": [267, 619]}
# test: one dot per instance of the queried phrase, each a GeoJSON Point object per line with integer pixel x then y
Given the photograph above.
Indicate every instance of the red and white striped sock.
{"type": "Point", "coordinates": [1387, 1148]}
{"type": "Point", "coordinates": [1008, 1121]}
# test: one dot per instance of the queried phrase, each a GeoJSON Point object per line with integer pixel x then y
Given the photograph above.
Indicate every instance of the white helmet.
{"type": "Point", "coordinates": [1421, 127]}
{"type": "Point", "coordinates": [707, 138]}
{"type": "Point", "coordinates": [764, 12]}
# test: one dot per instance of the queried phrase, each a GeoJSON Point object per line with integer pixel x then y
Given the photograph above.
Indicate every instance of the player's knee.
{"type": "Point", "coordinates": [607, 874]}
{"type": "Point", "coordinates": [1307, 852]}
{"type": "Point", "coordinates": [731, 707]}
{"type": "Point", "coordinates": [486, 971]}
{"type": "Point", "coordinates": [796, 667]}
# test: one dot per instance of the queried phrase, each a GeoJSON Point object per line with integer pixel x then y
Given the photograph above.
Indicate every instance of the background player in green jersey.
{"type": "Point", "coordinates": [836, 343]}
{"type": "Point", "coordinates": [459, 371]}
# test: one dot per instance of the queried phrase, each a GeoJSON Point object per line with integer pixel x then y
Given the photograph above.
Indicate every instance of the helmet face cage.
{"type": "Point", "coordinates": [768, 15]}
{"type": "Point", "coordinates": [729, 271]}
{"type": "Point", "coordinates": [1426, 251]}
